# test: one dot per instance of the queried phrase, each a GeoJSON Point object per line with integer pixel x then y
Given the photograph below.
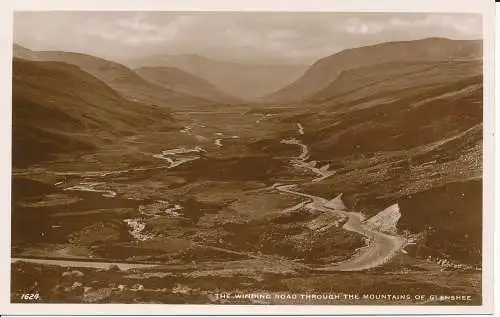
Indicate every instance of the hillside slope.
{"type": "Point", "coordinates": [117, 76]}
{"type": "Point", "coordinates": [408, 135]}
{"type": "Point", "coordinates": [58, 108]}
{"type": "Point", "coordinates": [327, 69]}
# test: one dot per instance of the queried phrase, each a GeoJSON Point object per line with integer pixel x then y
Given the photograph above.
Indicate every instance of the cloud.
{"type": "Point", "coordinates": [358, 26]}
{"type": "Point", "coordinates": [137, 23]}
{"type": "Point", "coordinates": [132, 29]}
{"type": "Point", "coordinates": [272, 37]}
{"type": "Point", "coordinates": [467, 25]}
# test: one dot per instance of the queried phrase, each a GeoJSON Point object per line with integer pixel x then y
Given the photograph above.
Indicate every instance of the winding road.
{"type": "Point", "coordinates": [381, 247]}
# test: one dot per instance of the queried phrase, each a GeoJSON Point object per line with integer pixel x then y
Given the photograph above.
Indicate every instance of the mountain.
{"type": "Point", "coordinates": [58, 108]}
{"type": "Point", "coordinates": [327, 69]}
{"type": "Point", "coordinates": [117, 76]}
{"type": "Point", "coordinates": [22, 52]}
{"type": "Point", "coordinates": [181, 81]}
{"type": "Point", "coordinates": [245, 81]}
{"type": "Point", "coordinates": [406, 133]}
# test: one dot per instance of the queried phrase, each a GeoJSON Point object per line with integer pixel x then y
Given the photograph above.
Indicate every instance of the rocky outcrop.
{"type": "Point", "coordinates": [336, 203]}
{"type": "Point", "coordinates": [386, 220]}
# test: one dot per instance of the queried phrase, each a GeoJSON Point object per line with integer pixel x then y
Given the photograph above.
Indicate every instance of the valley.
{"type": "Point", "coordinates": [165, 189]}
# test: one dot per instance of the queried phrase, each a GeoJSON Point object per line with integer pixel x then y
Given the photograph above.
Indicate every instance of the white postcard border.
{"type": "Point", "coordinates": [484, 7]}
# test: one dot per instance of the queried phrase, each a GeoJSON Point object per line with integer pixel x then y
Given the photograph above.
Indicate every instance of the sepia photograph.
{"type": "Point", "coordinates": [248, 158]}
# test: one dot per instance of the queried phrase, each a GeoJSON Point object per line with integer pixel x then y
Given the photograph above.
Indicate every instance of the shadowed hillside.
{"type": "Point", "coordinates": [58, 108]}
{"type": "Point", "coordinates": [119, 77]}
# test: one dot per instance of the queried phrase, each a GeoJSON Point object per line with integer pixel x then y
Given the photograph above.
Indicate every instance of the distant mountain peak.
{"type": "Point", "coordinates": [182, 81]}
{"type": "Point", "coordinates": [242, 80]}
{"type": "Point", "coordinates": [20, 47]}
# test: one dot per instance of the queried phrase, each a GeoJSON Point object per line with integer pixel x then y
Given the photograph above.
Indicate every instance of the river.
{"type": "Point", "coordinates": [381, 247]}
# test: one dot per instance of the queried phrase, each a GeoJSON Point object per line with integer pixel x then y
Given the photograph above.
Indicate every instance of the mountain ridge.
{"type": "Point", "coordinates": [118, 76]}
{"type": "Point", "coordinates": [327, 69]}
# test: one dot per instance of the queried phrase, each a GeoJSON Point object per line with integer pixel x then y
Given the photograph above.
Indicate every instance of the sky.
{"type": "Point", "coordinates": [284, 38]}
